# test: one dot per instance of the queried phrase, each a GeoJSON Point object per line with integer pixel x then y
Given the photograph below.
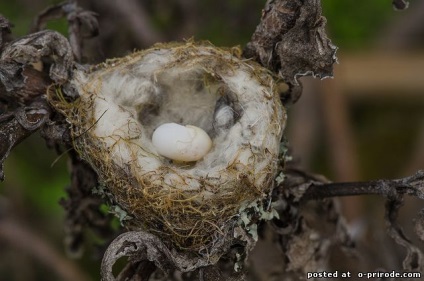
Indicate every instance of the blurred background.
{"type": "Point", "coordinates": [366, 123]}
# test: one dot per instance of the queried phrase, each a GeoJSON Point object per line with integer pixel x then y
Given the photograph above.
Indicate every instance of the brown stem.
{"type": "Point", "coordinates": [413, 185]}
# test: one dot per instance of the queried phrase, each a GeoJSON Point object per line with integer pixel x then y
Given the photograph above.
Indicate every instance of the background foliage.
{"type": "Point", "coordinates": [386, 129]}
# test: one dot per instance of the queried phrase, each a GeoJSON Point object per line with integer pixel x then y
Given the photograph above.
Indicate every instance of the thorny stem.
{"type": "Point", "coordinates": [412, 185]}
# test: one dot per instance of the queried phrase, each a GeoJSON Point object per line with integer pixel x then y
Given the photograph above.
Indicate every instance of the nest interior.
{"type": "Point", "coordinates": [193, 205]}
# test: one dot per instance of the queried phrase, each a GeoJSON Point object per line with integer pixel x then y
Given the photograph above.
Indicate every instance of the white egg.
{"type": "Point", "coordinates": [181, 143]}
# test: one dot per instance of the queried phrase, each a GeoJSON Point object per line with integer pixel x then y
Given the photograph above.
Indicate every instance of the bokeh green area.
{"type": "Point", "coordinates": [385, 129]}
{"type": "Point", "coordinates": [355, 24]}
{"type": "Point", "coordinates": [40, 173]}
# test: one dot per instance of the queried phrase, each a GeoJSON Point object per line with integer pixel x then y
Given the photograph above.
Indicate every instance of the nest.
{"type": "Point", "coordinates": [191, 205]}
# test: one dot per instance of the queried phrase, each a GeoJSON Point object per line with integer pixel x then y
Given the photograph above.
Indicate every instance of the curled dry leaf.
{"type": "Point", "coordinates": [291, 40]}
{"type": "Point", "coordinates": [142, 246]}
{"type": "Point", "coordinates": [414, 259]}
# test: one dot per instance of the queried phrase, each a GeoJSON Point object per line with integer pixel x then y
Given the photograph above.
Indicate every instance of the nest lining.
{"type": "Point", "coordinates": [193, 205]}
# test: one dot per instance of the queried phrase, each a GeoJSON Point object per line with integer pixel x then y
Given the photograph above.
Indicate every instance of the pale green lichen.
{"type": "Point", "coordinates": [101, 190]}
{"type": "Point", "coordinates": [280, 178]}
{"type": "Point", "coordinates": [284, 150]}
{"type": "Point", "coordinates": [254, 212]}
{"type": "Point", "coordinates": [253, 231]}
{"type": "Point", "coordinates": [111, 207]}
{"type": "Point", "coordinates": [238, 264]}
{"type": "Point", "coordinates": [122, 215]}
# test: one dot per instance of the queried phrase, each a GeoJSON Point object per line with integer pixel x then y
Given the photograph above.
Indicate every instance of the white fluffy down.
{"type": "Point", "coordinates": [131, 100]}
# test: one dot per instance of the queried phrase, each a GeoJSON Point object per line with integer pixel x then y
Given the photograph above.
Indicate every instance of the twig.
{"type": "Point", "coordinates": [413, 185]}
{"type": "Point", "coordinates": [78, 20]}
{"type": "Point", "coordinates": [82, 208]}
{"type": "Point", "coordinates": [19, 125]}
{"type": "Point", "coordinates": [5, 30]}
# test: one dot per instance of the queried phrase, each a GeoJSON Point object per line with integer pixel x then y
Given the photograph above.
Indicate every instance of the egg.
{"type": "Point", "coordinates": [181, 143]}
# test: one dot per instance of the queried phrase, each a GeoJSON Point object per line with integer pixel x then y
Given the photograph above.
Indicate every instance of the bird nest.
{"type": "Point", "coordinates": [120, 103]}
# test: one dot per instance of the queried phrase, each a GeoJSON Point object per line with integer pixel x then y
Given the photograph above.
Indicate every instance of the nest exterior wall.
{"type": "Point", "coordinates": [192, 205]}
